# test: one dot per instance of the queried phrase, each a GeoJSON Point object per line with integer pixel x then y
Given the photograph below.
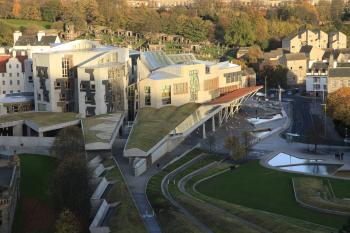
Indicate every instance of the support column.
{"type": "Point", "coordinates": [220, 118]}
{"type": "Point", "coordinates": [204, 133]}
{"type": "Point", "coordinates": [28, 131]}
{"type": "Point", "coordinates": [226, 113]}
{"type": "Point", "coordinates": [213, 123]}
{"type": "Point", "coordinates": [41, 134]}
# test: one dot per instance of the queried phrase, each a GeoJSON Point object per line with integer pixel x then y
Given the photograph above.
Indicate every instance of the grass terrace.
{"type": "Point", "coordinates": [317, 192]}
{"type": "Point", "coordinates": [154, 124]}
{"type": "Point", "coordinates": [260, 188]}
{"type": "Point", "coordinates": [100, 128]}
{"type": "Point", "coordinates": [34, 211]}
{"type": "Point", "coordinates": [19, 23]}
{"type": "Point", "coordinates": [127, 218]}
{"type": "Point", "coordinates": [42, 119]}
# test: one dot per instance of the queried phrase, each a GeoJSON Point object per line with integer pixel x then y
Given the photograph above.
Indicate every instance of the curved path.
{"type": "Point", "coordinates": [165, 190]}
{"type": "Point", "coordinates": [182, 184]}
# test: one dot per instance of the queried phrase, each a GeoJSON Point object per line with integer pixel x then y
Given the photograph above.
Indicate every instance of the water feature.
{"type": "Point", "coordinates": [288, 162]}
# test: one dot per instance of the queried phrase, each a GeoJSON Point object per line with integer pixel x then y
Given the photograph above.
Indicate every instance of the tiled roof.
{"type": "Point", "coordinates": [339, 72]}
{"type": "Point", "coordinates": [3, 60]}
{"type": "Point", "coordinates": [234, 95]}
{"type": "Point", "coordinates": [319, 65]}
{"type": "Point", "coordinates": [33, 40]}
{"type": "Point", "coordinates": [295, 56]}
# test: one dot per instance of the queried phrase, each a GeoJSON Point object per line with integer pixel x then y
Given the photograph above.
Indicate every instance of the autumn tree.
{"type": "Point", "coordinates": [16, 9]}
{"type": "Point", "coordinates": [338, 105]}
{"type": "Point", "coordinates": [67, 223]}
{"type": "Point", "coordinates": [233, 144]}
{"type": "Point", "coordinates": [275, 75]}
{"type": "Point", "coordinates": [239, 32]}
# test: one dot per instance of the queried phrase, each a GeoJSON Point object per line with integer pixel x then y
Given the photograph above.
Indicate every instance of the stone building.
{"type": "Point", "coordinates": [297, 65]}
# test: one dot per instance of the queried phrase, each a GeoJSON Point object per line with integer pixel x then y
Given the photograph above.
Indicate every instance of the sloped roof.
{"type": "Point", "coordinates": [339, 72]}
{"type": "Point", "coordinates": [234, 95]}
{"type": "Point", "coordinates": [295, 56]}
{"type": "Point", "coordinates": [343, 64]}
{"type": "Point", "coordinates": [3, 60]}
{"type": "Point", "coordinates": [319, 65]}
{"type": "Point", "coordinates": [306, 49]}
{"type": "Point", "coordinates": [33, 40]}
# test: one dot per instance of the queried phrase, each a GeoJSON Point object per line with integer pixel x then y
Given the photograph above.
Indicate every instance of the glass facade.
{"type": "Point", "coordinates": [166, 94]}
{"type": "Point", "coordinates": [194, 85]}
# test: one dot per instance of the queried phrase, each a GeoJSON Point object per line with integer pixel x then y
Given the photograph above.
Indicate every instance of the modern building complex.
{"type": "Point", "coordinates": [83, 77]}
{"type": "Point", "coordinates": [194, 91]}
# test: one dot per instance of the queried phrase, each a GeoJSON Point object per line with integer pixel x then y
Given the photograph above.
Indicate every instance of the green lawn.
{"type": "Point", "coordinates": [42, 119]}
{"type": "Point", "coordinates": [34, 211]}
{"type": "Point", "coordinates": [257, 187]}
{"type": "Point", "coordinates": [18, 23]}
{"type": "Point", "coordinates": [154, 124]}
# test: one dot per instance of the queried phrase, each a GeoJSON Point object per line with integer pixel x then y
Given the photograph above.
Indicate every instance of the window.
{"type": "Point", "coordinates": [10, 74]}
{"type": "Point", "coordinates": [10, 82]}
{"type": "Point", "coordinates": [39, 97]}
{"type": "Point", "coordinates": [207, 70]}
{"type": "Point", "coordinates": [93, 87]}
{"type": "Point", "coordinates": [17, 66]}
{"type": "Point", "coordinates": [30, 79]}
{"type": "Point", "coordinates": [17, 74]}
{"type": "Point", "coordinates": [4, 92]}
{"type": "Point", "coordinates": [19, 91]}
{"type": "Point", "coordinates": [10, 66]}
{"type": "Point", "coordinates": [148, 96]}
{"type": "Point", "coordinates": [3, 82]}
{"type": "Point", "coordinates": [65, 67]}
{"type": "Point", "coordinates": [57, 84]}
{"type": "Point", "coordinates": [166, 94]}
{"type": "Point", "coordinates": [180, 88]}
{"type": "Point", "coordinates": [233, 77]}
{"type": "Point", "coordinates": [18, 82]}
{"type": "Point", "coordinates": [11, 91]}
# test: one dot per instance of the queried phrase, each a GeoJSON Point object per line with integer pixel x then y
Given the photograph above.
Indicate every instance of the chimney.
{"type": "Point", "coordinates": [16, 36]}
{"type": "Point", "coordinates": [40, 35]}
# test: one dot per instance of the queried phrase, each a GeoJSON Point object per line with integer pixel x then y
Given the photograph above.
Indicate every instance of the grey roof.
{"type": "Point", "coordinates": [306, 49]}
{"type": "Point", "coordinates": [343, 64]}
{"type": "Point", "coordinates": [295, 56]}
{"type": "Point", "coordinates": [33, 40]}
{"type": "Point", "coordinates": [339, 72]}
{"type": "Point", "coordinates": [182, 58]}
{"type": "Point", "coordinates": [319, 65]}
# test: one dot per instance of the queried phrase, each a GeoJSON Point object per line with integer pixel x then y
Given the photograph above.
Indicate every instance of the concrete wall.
{"type": "Point", "coordinates": [34, 145]}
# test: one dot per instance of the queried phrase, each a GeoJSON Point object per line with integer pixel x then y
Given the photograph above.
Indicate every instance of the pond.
{"type": "Point", "coordinates": [288, 162]}
{"type": "Point", "coordinates": [283, 159]}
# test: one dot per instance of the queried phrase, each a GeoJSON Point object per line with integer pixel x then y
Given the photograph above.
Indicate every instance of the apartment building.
{"type": "Point", "coordinates": [315, 38]}
{"type": "Point", "coordinates": [181, 78]}
{"type": "Point", "coordinates": [81, 76]}
{"type": "Point", "coordinates": [297, 65]}
{"type": "Point", "coordinates": [337, 40]}
{"type": "Point", "coordinates": [338, 77]}
{"type": "Point", "coordinates": [316, 78]}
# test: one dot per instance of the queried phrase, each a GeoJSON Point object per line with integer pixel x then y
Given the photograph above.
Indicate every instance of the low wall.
{"type": "Point", "coordinates": [29, 145]}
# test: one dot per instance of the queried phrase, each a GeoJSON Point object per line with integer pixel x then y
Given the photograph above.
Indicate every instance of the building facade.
{"type": "Point", "coordinates": [179, 79]}
{"type": "Point", "coordinates": [315, 38]}
{"type": "Point", "coordinates": [83, 77]}
{"type": "Point", "coordinates": [297, 65]}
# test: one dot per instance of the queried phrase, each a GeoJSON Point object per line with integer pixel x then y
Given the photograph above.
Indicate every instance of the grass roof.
{"type": "Point", "coordinates": [42, 119]}
{"type": "Point", "coordinates": [154, 124]}
{"type": "Point", "coordinates": [101, 124]}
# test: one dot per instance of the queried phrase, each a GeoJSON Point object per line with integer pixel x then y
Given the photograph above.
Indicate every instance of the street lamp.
{"type": "Point", "coordinates": [265, 89]}
{"type": "Point", "coordinates": [325, 112]}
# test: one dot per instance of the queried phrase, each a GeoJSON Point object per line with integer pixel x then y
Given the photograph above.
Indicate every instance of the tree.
{"type": "Point", "coordinates": [313, 134]}
{"type": "Point", "coordinates": [72, 187]}
{"type": "Point", "coordinates": [247, 142]}
{"type": "Point", "coordinates": [346, 227]}
{"type": "Point", "coordinates": [16, 8]}
{"type": "Point", "coordinates": [275, 76]}
{"type": "Point", "coordinates": [254, 54]}
{"type": "Point", "coordinates": [338, 105]}
{"type": "Point", "coordinates": [69, 142]}
{"type": "Point", "coordinates": [337, 8]}
{"type": "Point", "coordinates": [67, 223]}
{"type": "Point", "coordinates": [51, 10]}
{"type": "Point", "coordinates": [233, 144]}
{"type": "Point", "coordinates": [240, 32]}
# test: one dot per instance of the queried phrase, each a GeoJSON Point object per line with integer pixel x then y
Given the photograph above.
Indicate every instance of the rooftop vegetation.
{"type": "Point", "coordinates": [42, 119]}
{"type": "Point", "coordinates": [153, 125]}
